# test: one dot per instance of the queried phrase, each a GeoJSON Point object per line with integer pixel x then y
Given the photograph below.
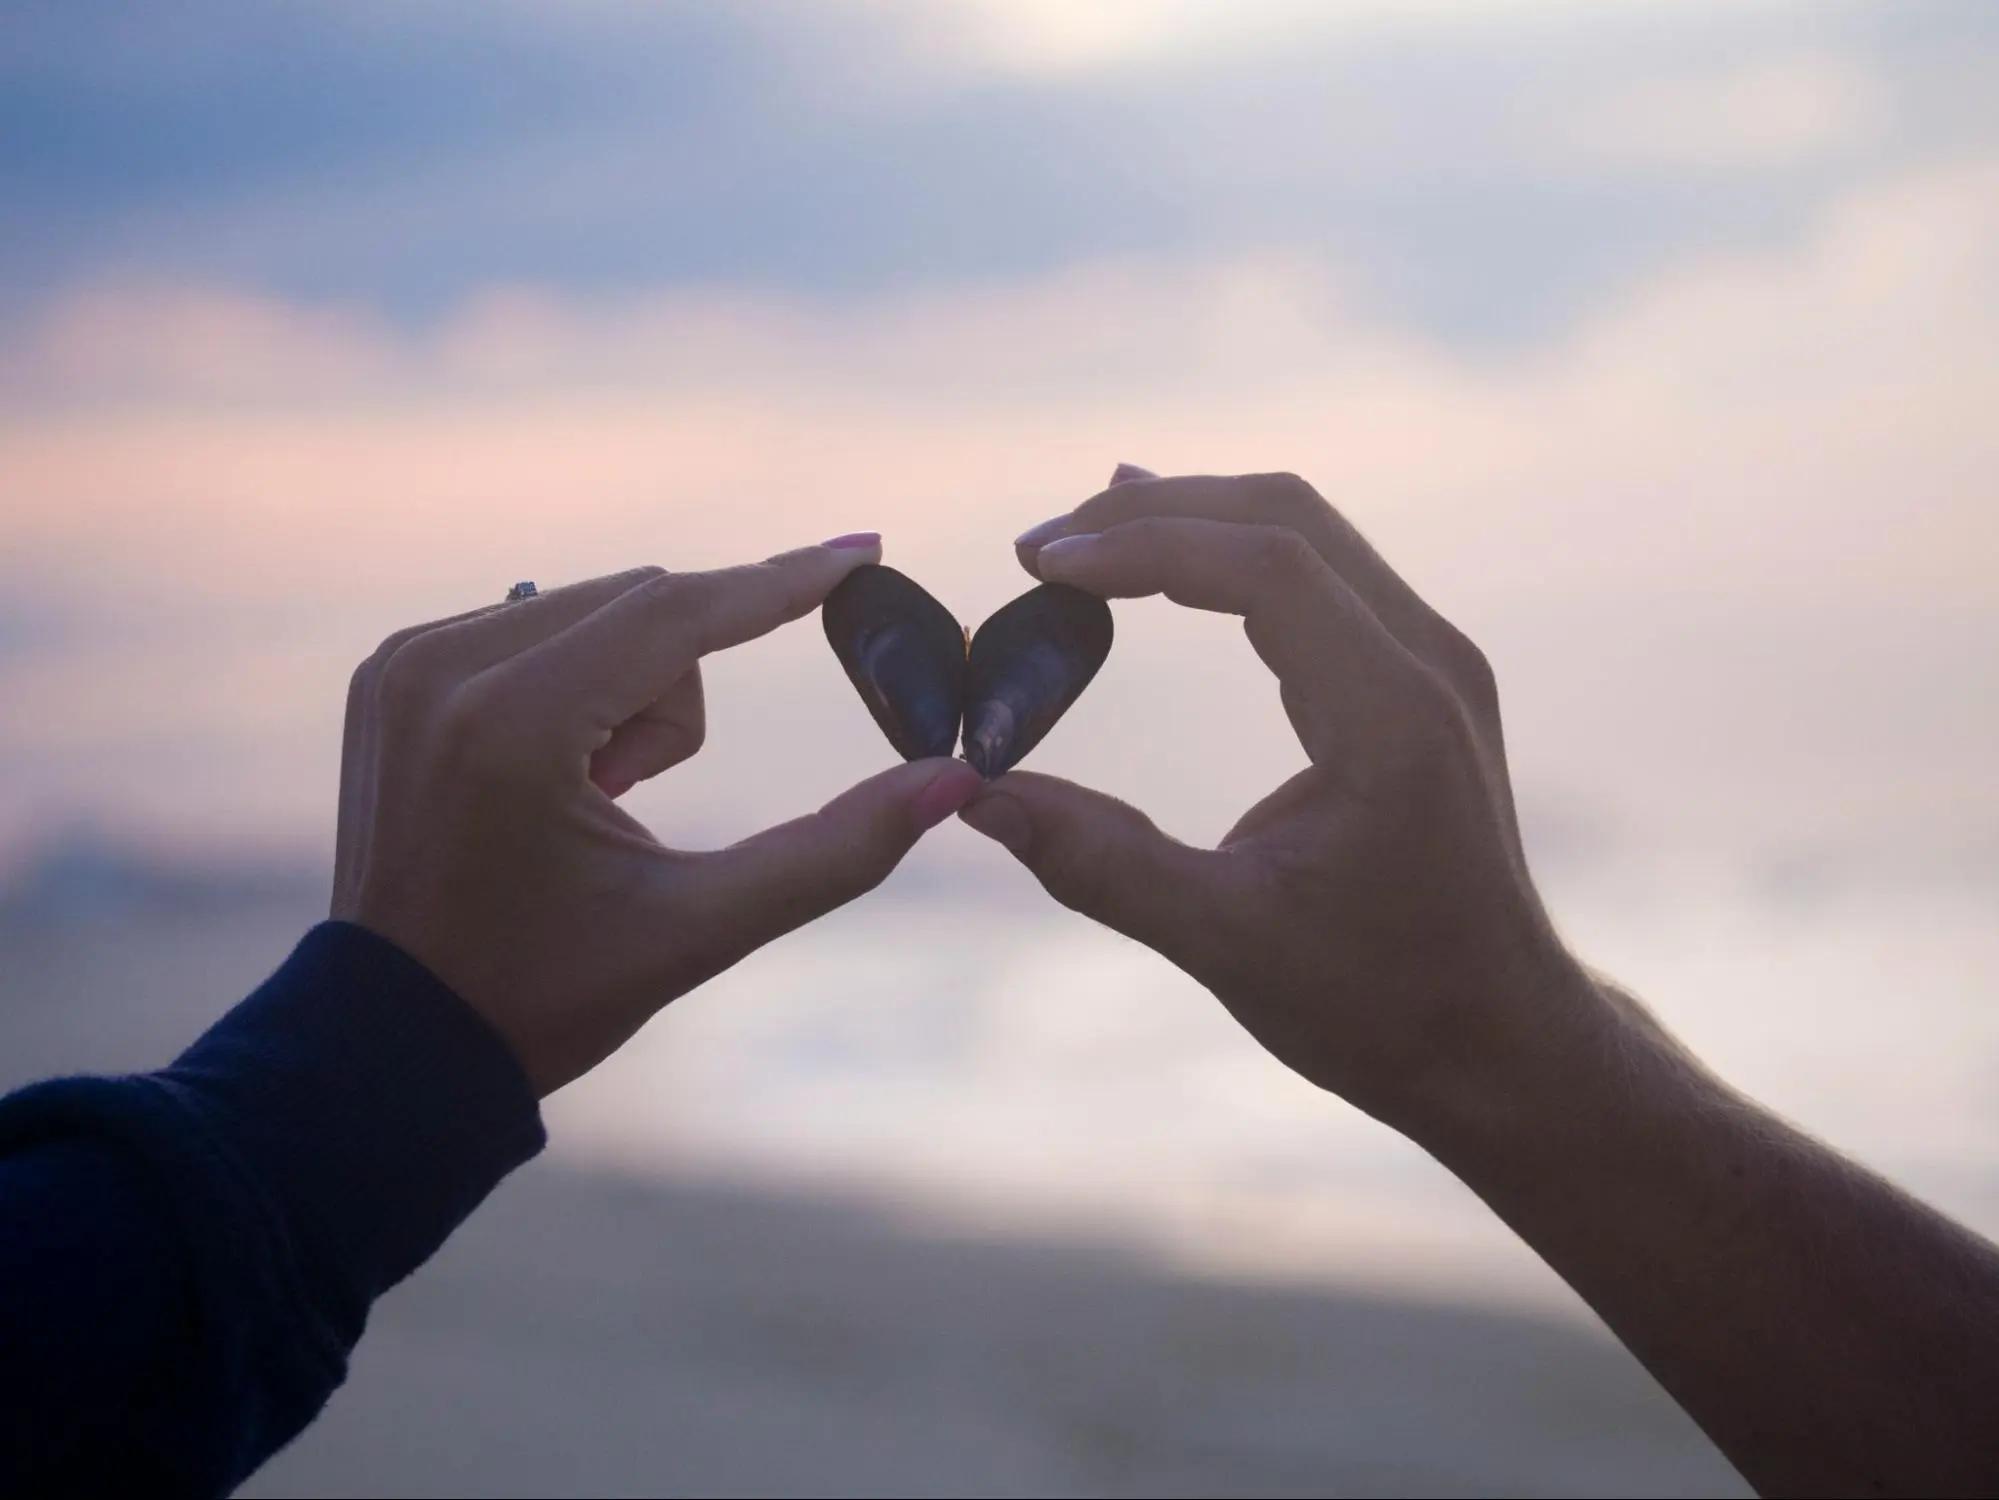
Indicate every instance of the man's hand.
{"type": "Point", "coordinates": [477, 827]}
{"type": "Point", "coordinates": [1371, 921]}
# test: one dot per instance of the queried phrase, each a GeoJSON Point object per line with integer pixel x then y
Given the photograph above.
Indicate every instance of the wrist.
{"type": "Point", "coordinates": [1533, 1066]}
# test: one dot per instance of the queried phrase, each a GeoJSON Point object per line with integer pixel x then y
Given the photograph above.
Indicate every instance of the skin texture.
{"type": "Point", "coordinates": [1373, 924]}
{"type": "Point", "coordinates": [478, 828]}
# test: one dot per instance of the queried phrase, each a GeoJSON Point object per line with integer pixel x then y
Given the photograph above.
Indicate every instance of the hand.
{"type": "Point", "coordinates": [477, 828]}
{"type": "Point", "coordinates": [1371, 921]}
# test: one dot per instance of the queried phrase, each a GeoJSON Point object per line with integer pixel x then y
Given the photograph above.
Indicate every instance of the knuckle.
{"type": "Point", "coordinates": [671, 596]}
{"type": "Point", "coordinates": [601, 588]}
{"type": "Point", "coordinates": [1434, 706]}
{"type": "Point", "coordinates": [1146, 539]}
{"type": "Point", "coordinates": [408, 676]}
{"type": "Point", "coordinates": [693, 735]}
{"type": "Point", "coordinates": [369, 672]}
{"type": "Point", "coordinates": [617, 585]}
{"type": "Point", "coordinates": [1281, 554]}
{"type": "Point", "coordinates": [469, 706]}
{"type": "Point", "coordinates": [794, 589]}
{"type": "Point", "coordinates": [395, 640]}
{"type": "Point", "coordinates": [463, 727]}
{"type": "Point", "coordinates": [1288, 496]}
{"type": "Point", "coordinates": [368, 685]}
{"type": "Point", "coordinates": [1468, 666]}
{"type": "Point", "coordinates": [1109, 507]}
{"type": "Point", "coordinates": [361, 682]}
{"type": "Point", "coordinates": [1440, 740]}
{"type": "Point", "coordinates": [666, 589]}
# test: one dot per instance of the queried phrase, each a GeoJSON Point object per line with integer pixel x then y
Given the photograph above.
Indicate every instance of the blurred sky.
{"type": "Point", "coordinates": [1657, 343]}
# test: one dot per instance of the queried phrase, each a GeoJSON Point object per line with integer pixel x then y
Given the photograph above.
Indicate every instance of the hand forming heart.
{"type": "Point", "coordinates": [1371, 921]}
{"type": "Point", "coordinates": [480, 833]}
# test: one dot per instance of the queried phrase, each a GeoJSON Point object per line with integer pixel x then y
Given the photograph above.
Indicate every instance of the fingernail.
{"type": "Point", "coordinates": [854, 539]}
{"type": "Point", "coordinates": [1071, 548]}
{"type": "Point", "coordinates": [1034, 536]}
{"type": "Point", "coordinates": [1125, 473]}
{"type": "Point", "coordinates": [948, 791]}
{"type": "Point", "coordinates": [1000, 818]}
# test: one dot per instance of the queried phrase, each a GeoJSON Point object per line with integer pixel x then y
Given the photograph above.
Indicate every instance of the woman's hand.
{"type": "Point", "coordinates": [478, 831]}
{"type": "Point", "coordinates": [1371, 921]}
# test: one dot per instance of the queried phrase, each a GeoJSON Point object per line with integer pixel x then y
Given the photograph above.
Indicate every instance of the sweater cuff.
{"type": "Point", "coordinates": [364, 1097]}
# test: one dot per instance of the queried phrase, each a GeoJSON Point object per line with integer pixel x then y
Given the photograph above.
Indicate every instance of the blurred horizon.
{"type": "Point", "coordinates": [1657, 345]}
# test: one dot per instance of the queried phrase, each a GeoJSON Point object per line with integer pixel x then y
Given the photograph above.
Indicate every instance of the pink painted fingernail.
{"type": "Point", "coordinates": [1034, 536]}
{"type": "Point", "coordinates": [854, 539]}
{"type": "Point", "coordinates": [946, 793]}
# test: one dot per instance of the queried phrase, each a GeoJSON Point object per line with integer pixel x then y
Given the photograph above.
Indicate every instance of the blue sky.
{"type": "Point", "coordinates": [405, 156]}
{"type": "Point", "coordinates": [1657, 342]}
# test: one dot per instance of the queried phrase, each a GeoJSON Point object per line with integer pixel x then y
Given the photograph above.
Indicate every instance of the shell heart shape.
{"type": "Point", "coordinates": [926, 679]}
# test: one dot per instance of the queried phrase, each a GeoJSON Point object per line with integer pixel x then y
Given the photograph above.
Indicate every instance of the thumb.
{"type": "Point", "coordinates": [785, 876]}
{"type": "Point", "coordinates": [1105, 859]}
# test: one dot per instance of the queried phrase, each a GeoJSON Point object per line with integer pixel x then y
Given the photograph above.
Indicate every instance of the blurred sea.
{"type": "Point", "coordinates": [953, 1148]}
{"type": "Point", "coordinates": [957, 1044]}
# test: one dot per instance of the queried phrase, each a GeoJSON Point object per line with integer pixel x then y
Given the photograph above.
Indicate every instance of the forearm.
{"type": "Point", "coordinates": [186, 1257]}
{"type": "Point", "coordinates": [94, 1286]}
{"type": "Point", "coordinates": [1831, 1334]}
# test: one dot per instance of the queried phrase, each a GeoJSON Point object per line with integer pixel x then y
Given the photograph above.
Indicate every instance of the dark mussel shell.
{"type": "Point", "coordinates": [1028, 663]}
{"type": "Point", "coordinates": [904, 653]}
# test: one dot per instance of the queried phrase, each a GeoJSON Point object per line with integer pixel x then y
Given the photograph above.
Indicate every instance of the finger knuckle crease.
{"type": "Point", "coordinates": [1281, 552]}
{"type": "Point", "coordinates": [1441, 731]}
{"type": "Point", "coordinates": [1289, 493]}
{"type": "Point", "coordinates": [407, 677]}
{"type": "Point", "coordinates": [1471, 667]}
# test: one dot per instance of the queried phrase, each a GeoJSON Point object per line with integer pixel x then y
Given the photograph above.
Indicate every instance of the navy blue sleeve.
{"type": "Point", "coordinates": [186, 1257]}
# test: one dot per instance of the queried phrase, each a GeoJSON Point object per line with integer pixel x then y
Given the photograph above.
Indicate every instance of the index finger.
{"type": "Point", "coordinates": [611, 664]}
{"type": "Point", "coordinates": [1255, 500]}
{"type": "Point", "coordinates": [1334, 662]}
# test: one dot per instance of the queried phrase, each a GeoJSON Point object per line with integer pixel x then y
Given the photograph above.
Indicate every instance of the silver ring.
{"type": "Point", "coordinates": [525, 589]}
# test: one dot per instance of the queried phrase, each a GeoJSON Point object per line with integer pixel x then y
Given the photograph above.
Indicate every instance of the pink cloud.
{"type": "Point", "coordinates": [1698, 518]}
